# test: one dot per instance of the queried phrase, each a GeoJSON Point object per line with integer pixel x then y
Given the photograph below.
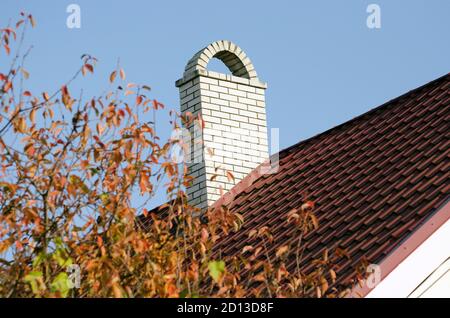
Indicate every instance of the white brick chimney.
{"type": "Point", "coordinates": [232, 107]}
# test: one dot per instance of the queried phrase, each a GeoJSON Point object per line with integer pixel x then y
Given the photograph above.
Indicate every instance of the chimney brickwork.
{"type": "Point", "coordinates": [232, 107]}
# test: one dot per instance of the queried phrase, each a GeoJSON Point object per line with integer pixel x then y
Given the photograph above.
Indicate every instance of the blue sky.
{"type": "Point", "coordinates": [323, 65]}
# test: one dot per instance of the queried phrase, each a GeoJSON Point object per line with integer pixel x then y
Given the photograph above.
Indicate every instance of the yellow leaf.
{"type": "Point", "coordinates": [25, 74]}
{"type": "Point", "coordinates": [210, 152]}
{"type": "Point", "coordinates": [282, 250]}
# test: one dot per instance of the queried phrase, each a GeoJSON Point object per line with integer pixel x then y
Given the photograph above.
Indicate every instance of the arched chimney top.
{"type": "Point", "coordinates": [229, 53]}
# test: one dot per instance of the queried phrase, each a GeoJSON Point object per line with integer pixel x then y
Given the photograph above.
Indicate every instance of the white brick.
{"type": "Point", "coordinates": [238, 105]}
{"type": "Point", "coordinates": [232, 136]}
{"type": "Point", "coordinates": [251, 139]}
{"type": "Point", "coordinates": [262, 116]}
{"type": "Point", "coordinates": [255, 96]}
{"type": "Point", "coordinates": [262, 129]}
{"type": "Point", "coordinates": [240, 118]}
{"type": "Point", "coordinates": [247, 101]}
{"type": "Point", "coordinates": [247, 113]}
{"type": "Point", "coordinates": [232, 161]}
{"type": "Point", "coordinates": [246, 88]}
{"type": "Point", "coordinates": [204, 86]}
{"type": "Point", "coordinates": [241, 131]}
{"type": "Point", "coordinates": [220, 114]}
{"type": "Point", "coordinates": [229, 97]}
{"type": "Point", "coordinates": [231, 123]}
{"type": "Point", "coordinates": [210, 94]}
{"type": "Point", "coordinates": [256, 109]}
{"type": "Point", "coordinates": [219, 101]}
{"type": "Point", "coordinates": [219, 139]}
{"type": "Point", "coordinates": [210, 106]}
{"type": "Point", "coordinates": [219, 89]}
{"type": "Point", "coordinates": [228, 84]}
{"type": "Point", "coordinates": [257, 122]}
{"type": "Point", "coordinates": [230, 110]}
{"type": "Point", "coordinates": [248, 126]}
{"type": "Point", "coordinates": [221, 127]}
{"type": "Point", "coordinates": [209, 80]}
{"type": "Point", "coordinates": [212, 132]}
{"type": "Point", "coordinates": [211, 119]}
{"type": "Point", "coordinates": [241, 169]}
{"type": "Point", "coordinates": [237, 92]}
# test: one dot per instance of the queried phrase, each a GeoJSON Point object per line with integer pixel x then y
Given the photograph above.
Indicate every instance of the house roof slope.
{"type": "Point", "coordinates": [374, 180]}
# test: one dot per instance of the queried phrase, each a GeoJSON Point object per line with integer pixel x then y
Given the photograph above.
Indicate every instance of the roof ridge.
{"type": "Point", "coordinates": [385, 104]}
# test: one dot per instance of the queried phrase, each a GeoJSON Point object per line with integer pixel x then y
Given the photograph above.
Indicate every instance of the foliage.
{"type": "Point", "coordinates": [70, 169]}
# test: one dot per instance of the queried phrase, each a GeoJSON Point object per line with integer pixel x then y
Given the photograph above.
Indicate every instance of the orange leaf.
{"type": "Point", "coordinates": [33, 115]}
{"type": "Point", "coordinates": [333, 275]}
{"type": "Point", "coordinates": [7, 49]}
{"type": "Point", "coordinates": [230, 176]}
{"type": "Point", "coordinates": [19, 23]}
{"type": "Point", "coordinates": [282, 250]}
{"type": "Point", "coordinates": [112, 77]}
{"type": "Point", "coordinates": [122, 74]}
{"type": "Point", "coordinates": [32, 21]}
{"type": "Point", "coordinates": [157, 104]}
{"type": "Point", "coordinates": [99, 241]}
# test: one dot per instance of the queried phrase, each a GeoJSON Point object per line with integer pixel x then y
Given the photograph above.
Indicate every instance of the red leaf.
{"type": "Point", "coordinates": [7, 86]}
{"type": "Point", "coordinates": [89, 67]}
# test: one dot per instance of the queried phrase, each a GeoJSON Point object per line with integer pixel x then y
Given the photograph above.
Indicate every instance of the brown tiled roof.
{"type": "Point", "coordinates": [374, 180]}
